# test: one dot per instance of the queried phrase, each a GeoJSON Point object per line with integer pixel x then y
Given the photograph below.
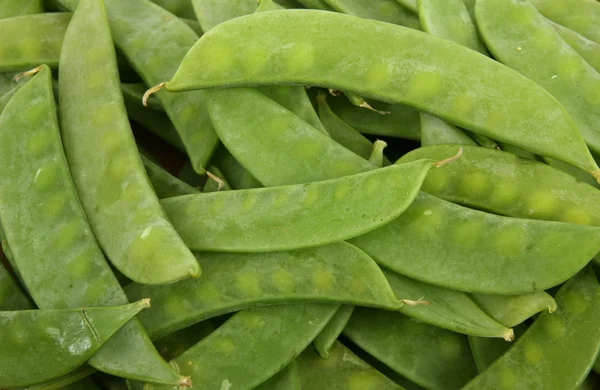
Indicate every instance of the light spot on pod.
{"type": "Point", "coordinates": [426, 220]}
{"type": "Point", "coordinates": [467, 233]}
{"type": "Point", "coordinates": [283, 280]}
{"type": "Point", "coordinates": [223, 345]}
{"type": "Point", "coordinates": [80, 266]}
{"type": "Point", "coordinates": [569, 68]}
{"type": "Point", "coordinates": [45, 176]}
{"type": "Point", "coordinates": [133, 193]}
{"type": "Point", "coordinates": [449, 347]}
{"type": "Point", "coordinates": [248, 284]}
{"type": "Point", "coordinates": [311, 196]}
{"type": "Point", "coordinates": [463, 104]}
{"type": "Point", "coordinates": [575, 303]}
{"type": "Point", "coordinates": [118, 168]}
{"type": "Point", "coordinates": [507, 380]}
{"type": "Point", "coordinates": [96, 79]}
{"type": "Point", "coordinates": [207, 292]}
{"type": "Point", "coordinates": [358, 286]}
{"type": "Point", "coordinates": [171, 306]}
{"type": "Point", "coordinates": [533, 352]}
{"type": "Point", "coordinates": [342, 189]}
{"type": "Point", "coordinates": [252, 320]}
{"type": "Point", "coordinates": [217, 204]}
{"type": "Point", "coordinates": [256, 59]}
{"type": "Point", "coordinates": [541, 204]}
{"type": "Point", "coordinates": [510, 240]}
{"type": "Point", "coordinates": [591, 92]}
{"type": "Point", "coordinates": [554, 327]}
{"type": "Point", "coordinates": [374, 184]}
{"type": "Point", "coordinates": [475, 184]}
{"type": "Point", "coordinates": [377, 74]}
{"type": "Point", "coordinates": [364, 380]}
{"type": "Point", "coordinates": [323, 280]}
{"type": "Point", "coordinates": [96, 288]}
{"type": "Point", "coordinates": [503, 194]}
{"type": "Point", "coordinates": [299, 57]}
{"type": "Point", "coordinates": [68, 235]}
{"type": "Point", "coordinates": [437, 179]}
{"type": "Point", "coordinates": [18, 330]}
{"type": "Point", "coordinates": [112, 141]}
{"type": "Point", "coordinates": [105, 114]}
{"type": "Point", "coordinates": [576, 215]}
{"type": "Point", "coordinates": [424, 85]}
{"type": "Point", "coordinates": [38, 143]}
{"type": "Point", "coordinates": [55, 204]}
{"type": "Point", "coordinates": [308, 148]}
{"type": "Point", "coordinates": [223, 61]}
{"type": "Point", "coordinates": [544, 38]}
{"type": "Point", "coordinates": [249, 202]}
{"type": "Point", "coordinates": [187, 114]}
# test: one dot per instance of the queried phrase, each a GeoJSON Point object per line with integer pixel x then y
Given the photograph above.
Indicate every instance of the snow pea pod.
{"type": "Point", "coordinates": [64, 267]}
{"type": "Point", "coordinates": [582, 16]}
{"type": "Point", "coordinates": [156, 122]}
{"type": "Point", "coordinates": [165, 185]}
{"type": "Point", "coordinates": [342, 370]}
{"type": "Point", "coordinates": [181, 8]}
{"type": "Point", "coordinates": [13, 8]}
{"type": "Point", "coordinates": [487, 350]}
{"type": "Point", "coordinates": [445, 308]}
{"type": "Point", "coordinates": [501, 183]}
{"type": "Point", "coordinates": [429, 356]}
{"type": "Point", "coordinates": [435, 131]}
{"type": "Point", "coordinates": [212, 185]}
{"type": "Point", "coordinates": [70, 335]}
{"type": "Point", "coordinates": [316, 4]}
{"type": "Point", "coordinates": [409, 4]}
{"type": "Point", "coordinates": [383, 10]}
{"type": "Point", "coordinates": [519, 36]}
{"type": "Point", "coordinates": [237, 176]}
{"type": "Point", "coordinates": [537, 360]}
{"type": "Point", "coordinates": [11, 295]}
{"type": "Point", "coordinates": [29, 40]}
{"type": "Point", "coordinates": [286, 379]}
{"type": "Point", "coordinates": [336, 273]}
{"type": "Point", "coordinates": [332, 331]}
{"type": "Point", "coordinates": [227, 358]}
{"type": "Point", "coordinates": [511, 310]}
{"type": "Point", "coordinates": [589, 50]}
{"type": "Point", "coordinates": [469, 250]}
{"type": "Point", "coordinates": [211, 13]}
{"type": "Point", "coordinates": [296, 216]}
{"type": "Point", "coordinates": [134, 93]}
{"type": "Point", "coordinates": [115, 192]}
{"type": "Point", "coordinates": [397, 65]}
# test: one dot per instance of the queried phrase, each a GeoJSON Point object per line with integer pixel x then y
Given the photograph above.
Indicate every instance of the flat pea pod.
{"type": "Point", "coordinates": [511, 310]}
{"type": "Point", "coordinates": [336, 273]}
{"type": "Point", "coordinates": [519, 36]}
{"type": "Point", "coordinates": [84, 384]}
{"type": "Point", "coordinates": [445, 308]}
{"type": "Point", "coordinates": [11, 295]}
{"type": "Point", "coordinates": [409, 4]}
{"type": "Point", "coordinates": [115, 192]}
{"type": "Point", "coordinates": [276, 134]}
{"type": "Point", "coordinates": [72, 377]}
{"type": "Point", "coordinates": [316, 4]}
{"type": "Point", "coordinates": [64, 267]}
{"type": "Point", "coordinates": [296, 216]}
{"type": "Point", "coordinates": [181, 8]}
{"type": "Point", "coordinates": [227, 358]}
{"type": "Point", "coordinates": [30, 40]}
{"type": "Point", "coordinates": [582, 16]}
{"type": "Point", "coordinates": [383, 10]}
{"type": "Point", "coordinates": [435, 131]}
{"type": "Point", "coordinates": [500, 182]}
{"type": "Point", "coordinates": [538, 359]}
{"type": "Point", "coordinates": [589, 50]}
{"type": "Point", "coordinates": [342, 370]}
{"type": "Point", "coordinates": [70, 335]}
{"type": "Point", "coordinates": [12, 8]}
{"type": "Point", "coordinates": [135, 91]}
{"type": "Point", "coordinates": [142, 31]}
{"type": "Point", "coordinates": [175, 344]}
{"type": "Point", "coordinates": [398, 65]}
{"type": "Point", "coordinates": [237, 176]}
{"type": "Point", "coordinates": [165, 185]}
{"type": "Point", "coordinates": [469, 250]}
{"type": "Point", "coordinates": [211, 13]}
{"type": "Point", "coordinates": [286, 379]}
{"type": "Point", "coordinates": [487, 350]}
{"type": "Point", "coordinates": [431, 357]}
{"type": "Point", "coordinates": [332, 331]}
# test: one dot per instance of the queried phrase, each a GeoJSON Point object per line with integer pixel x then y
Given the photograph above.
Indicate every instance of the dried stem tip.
{"type": "Point", "coordinates": [151, 91]}
{"type": "Point", "coordinates": [449, 159]}
{"type": "Point", "coordinates": [27, 73]}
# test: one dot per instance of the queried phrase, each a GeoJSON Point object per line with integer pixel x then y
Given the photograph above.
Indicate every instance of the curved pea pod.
{"type": "Point", "coordinates": [84, 384]}
{"type": "Point", "coordinates": [519, 36]}
{"type": "Point", "coordinates": [29, 40]}
{"type": "Point", "coordinates": [237, 176]}
{"type": "Point", "coordinates": [165, 185]}
{"type": "Point", "coordinates": [296, 216]}
{"type": "Point", "coordinates": [342, 370]}
{"type": "Point", "coordinates": [332, 331]}
{"type": "Point", "coordinates": [11, 295]}
{"type": "Point", "coordinates": [398, 65]}
{"type": "Point", "coordinates": [487, 350]}
{"type": "Point", "coordinates": [135, 92]}
{"type": "Point", "coordinates": [286, 379]}
{"type": "Point", "coordinates": [589, 50]}
{"type": "Point", "coordinates": [383, 10]}
{"type": "Point", "coordinates": [74, 376]}
{"type": "Point", "coordinates": [429, 356]}
{"type": "Point", "coordinates": [512, 310]}
{"type": "Point", "coordinates": [115, 192]}
{"type": "Point", "coordinates": [559, 349]}
{"type": "Point", "coordinates": [280, 136]}
{"type": "Point", "coordinates": [217, 181]}
{"type": "Point", "coordinates": [71, 336]}
{"type": "Point", "coordinates": [336, 273]}
{"type": "Point", "coordinates": [444, 308]}
{"type": "Point", "coordinates": [582, 16]}
{"type": "Point", "coordinates": [409, 4]}
{"type": "Point", "coordinates": [211, 13]}
{"type": "Point", "coordinates": [20, 7]}
{"type": "Point", "coordinates": [435, 131]}
{"type": "Point", "coordinates": [181, 8]}
{"type": "Point", "coordinates": [316, 4]}
{"type": "Point", "coordinates": [469, 250]}
{"type": "Point", "coordinates": [501, 183]}
{"type": "Point", "coordinates": [175, 344]}
{"type": "Point", "coordinates": [227, 358]}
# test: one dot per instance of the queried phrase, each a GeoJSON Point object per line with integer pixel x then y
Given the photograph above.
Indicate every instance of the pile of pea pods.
{"type": "Point", "coordinates": [299, 194]}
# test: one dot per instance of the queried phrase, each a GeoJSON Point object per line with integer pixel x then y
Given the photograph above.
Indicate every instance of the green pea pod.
{"type": "Point", "coordinates": [11, 295]}
{"type": "Point", "coordinates": [211, 13]}
{"type": "Point", "coordinates": [511, 310]}
{"type": "Point", "coordinates": [73, 377]}
{"type": "Point", "coordinates": [398, 65]}
{"type": "Point", "coordinates": [237, 176]}
{"type": "Point", "coordinates": [582, 16]}
{"type": "Point", "coordinates": [212, 185]}
{"type": "Point", "coordinates": [332, 331]}
{"type": "Point", "coordinates": [135, 92]}
{"type": "Point", "coordinates": [64, 267]}
{"type": "Point", "coordinates": [500, 182]}
{"type": "Point", "coordinates": [589, 50]}
{"type": "Point", "coordinates": [487, 350]}
{"type": "Point", "coordinates": [296, 216]}
{"type": "Point", "coordinates": [227, 358]}
{"type": "Point", "coordinates": [139, 241]}
{"type": "Point", "coordinates": [165, 185]}
{"type": "Point", "coordinates": [342, 370]}
{"type": "Point", "coordinates": [409, 4]}
{"type": "Point", "coordinates": [519, 36]}
{"type": "Point", "coordinates": [13, 8]}
{"type": "Point", "coordinates": [175, 344]}
{"type": "Point", "coordinates": [181, 8]}
{"type": "Point", "coordinates": [194, 25]}
{"type": "Point", "coordinates": [444, 308]}
{"type": "Point", "coordinates": [336, 273]}
{"type": "Point", "coordinates": [156, 122]}
{"type": "Point", "coordinates": [469, 250]}
{"type": "Point", "coordinates": [384, 10]}
{"type": "Point", "coordinates": [571, 335]}
{"type": "Point", "coordinates": [429, 356]}
{"type": "Point", "coordinates": [277, 139]}
{"type": "Point", "coordinates": [286, 379]}
{"type": "Point", "coordinates": [84, 384]}
{"type": "Point", "coordinates": [70, 335]}
{"type": "Point", "coordinates": [435, 131]}
{"type": "Point", "coordinates": [316, 4]}
{"type": "Point", "coordinates": [29, 40]}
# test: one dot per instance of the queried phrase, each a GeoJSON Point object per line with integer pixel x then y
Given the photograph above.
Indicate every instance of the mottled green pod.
{"type": "Point", "coordinates": [316, 4]}
{"type": "Point", "coordinates": [398, 65]}
{"type": "Point", "coordinates": [115, 192]}
{"type": "Point", "coordinates": [175, 344]}
{"type": "Point", "coordinates": [383, 10]}
{"type": "Point", "coordinates": [511, 310]}
{"type": "Point", "coordinates": [11, 295]}
{"type": "Point", "coordinates": [429, 356]}
{"type": "Point", "coordinates": [435, 131]}
{"type": "Point", "coordinates": [135, 91]}
{"type": "Point", "coordinates": [9, 9]}
{"type": "Point", "coordinates": [70, 335]}
{"type": "Point", "coordinates": [559, 349]}
{"type": "Point", "coordinates": [469, 250]}
{"type": "Point", "coordinates": [296, 216]}
{"type": "Point", "coordinates": [337, 273]}
{"type": "Point", "coordinates": [589, 50]}
{"type": "Point", "coordinates": [237, 176]}
{"type": "Point", "coordinates": [30, 40]}
{"type": "Point", "coordinates": [216, 182]}
{"type": "Point", "coordinates": [286, 379]}
{"type": "Point", "coordinates": [211, 13]}
{"type": "Point", "coordinates": [332, 331]}
{"type": "Point", "coordinates": [74, 376]}
{"type": "Point", "coordinates": [409, 4]}
{"type": "Point", "coordinates": [181, 8]}
{"type": "Point", "coordinates": [487, 350]}
{"type": "Point", "coordinates": [582, 16]}
{"type": "Point", "coordinates": [519, 36]}
{"type": "Point", "coordinates": [165, 185]}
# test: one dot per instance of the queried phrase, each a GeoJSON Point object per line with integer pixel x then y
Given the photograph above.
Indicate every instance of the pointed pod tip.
{"type": "Point", "coordinates": [186, 382]}
{"type": "Point", "coordinates": [30, 72]}
{"type": "Point", "coordinates": [449, 159]}
{"type": "Point", "coordinates": [145, 303]}
{"type": "Point", "coordinates": [150, 92]}
{"type": "Point", "coordinates": [509, 335]}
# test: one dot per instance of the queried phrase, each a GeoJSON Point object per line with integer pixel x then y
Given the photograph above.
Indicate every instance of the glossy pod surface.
{"type": "Point", "coordinates": [115, 192]}
{"type": "Point", "coordinates": [336, 273]}
{"type": "Point", "coordinates": [296, 216]}
{"type": "Point", "coordinates": [69, 336]}
{"type": "Point", "coordinates": [392, 64]}
{"type": "Point", "coordinates": [442, 243]}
